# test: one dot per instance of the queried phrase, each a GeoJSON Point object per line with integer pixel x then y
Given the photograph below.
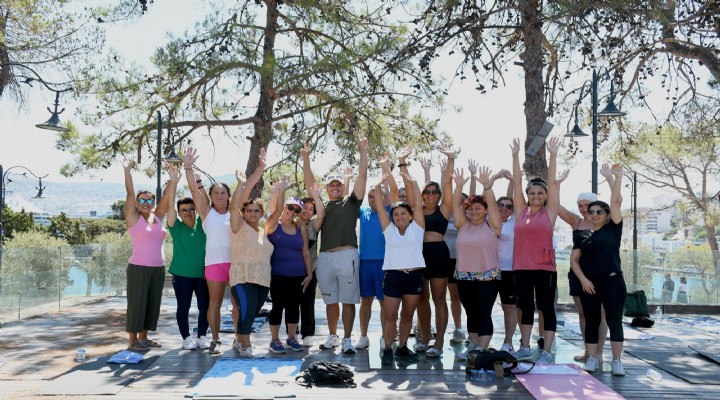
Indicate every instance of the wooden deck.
{"type": "Point", "coordinates": [177, 371]}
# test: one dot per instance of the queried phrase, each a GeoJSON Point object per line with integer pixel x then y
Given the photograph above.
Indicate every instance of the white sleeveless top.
{"type": "Point", "coordinates": [217, 230]}
{"type": "Point", "coordinates": [403, 251]}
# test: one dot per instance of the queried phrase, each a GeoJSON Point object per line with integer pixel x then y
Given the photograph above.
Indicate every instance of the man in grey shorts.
{"type": "Point", "coordinates": [339, 262]}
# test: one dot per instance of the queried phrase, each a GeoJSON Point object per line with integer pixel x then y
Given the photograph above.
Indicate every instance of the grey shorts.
{"type": "Point", "coordinates": [338, 276]}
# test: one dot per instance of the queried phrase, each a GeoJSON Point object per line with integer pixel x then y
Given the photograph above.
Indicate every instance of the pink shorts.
{"type": "Point", "coordinates": [218, 272]}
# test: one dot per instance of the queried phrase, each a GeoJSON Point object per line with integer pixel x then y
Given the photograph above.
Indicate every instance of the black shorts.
{"type": "Point", "coordinates": [507, 288]}
{"type": "Point", "coordinates": [453, 263]}
{"type": "Point", "coordinates": [437, 260]}
{"type": "Point", "coordinates": [575, 285]}
{"type": "Point", "coordinates": [398, 283]}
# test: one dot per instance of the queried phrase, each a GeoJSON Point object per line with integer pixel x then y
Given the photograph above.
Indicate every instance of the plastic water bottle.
{"type": "Point", "coordinates": [478, 376]}
{"type": "Point", "coordinates": [653, 375]}
{"type": "Point", "coordinates": [490, 376]}
{"type": "Point", "coordinates": [658, 313]}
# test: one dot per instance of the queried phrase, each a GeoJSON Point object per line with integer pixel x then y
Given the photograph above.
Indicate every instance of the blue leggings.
{"type": "Point", "coordinates": [249, 298]}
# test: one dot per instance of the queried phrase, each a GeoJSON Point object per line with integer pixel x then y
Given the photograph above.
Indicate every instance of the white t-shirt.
{"type": "Point", "coordinates": [505, 247]}
{"type": "Point", "coordinates": [403, 251]}
{"type": "Point", "coordinates": [217, 230]}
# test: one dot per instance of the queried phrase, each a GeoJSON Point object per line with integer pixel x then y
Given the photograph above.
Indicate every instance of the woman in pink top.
{"type": "Point", "coordinates": [146, 267]}
{"type": "Point", "coordinates": [215, 216]}
{"type": "Point", "coordinates": [477, 270]}
{"type": "Point", "coordinates": [533, 254]}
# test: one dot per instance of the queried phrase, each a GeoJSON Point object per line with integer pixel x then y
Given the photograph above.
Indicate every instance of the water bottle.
{"type": "Point", "coordinates": [653, 375]}
{"type": "Point", "coordinates": [658, 313]}
{"type": "Point", "coordinates": [490, 376]}
{"type": "Point", "coordinates": [478, 376]}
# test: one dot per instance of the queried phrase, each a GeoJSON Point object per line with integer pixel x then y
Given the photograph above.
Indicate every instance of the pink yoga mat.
{"type": "Point", "coordinates": [582, 386]}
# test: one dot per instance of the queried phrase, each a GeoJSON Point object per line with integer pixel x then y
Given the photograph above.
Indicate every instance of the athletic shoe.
{"type": "Point", "coordinates": [524, 353]}
{"type": "Point", "coordinates": [591, 364]}
{"type": "Point", "coordinates": [215, 347]}
{"type": "Point", "coordinates": [237, 346]}
{"type": "Point", "coordinates": [188, 343]}
{"type": "Point", "coordinates": [405, 352]}
{"type": "Point", "coordinates": [421, 347]}
{"type": "Point", "coordinates": [347, 346]}
{"type": "Point", "coordinates": [617, 367]}
{"type": "Point", "coordinates": [202, 343]}
{"type": "Point", "coordinates": [363, 343]}
{"type": "Point", "coordinates": [541, 343]}
{"type": "Point", "coordinates": [294, 344]}
{"type": "Point", "coordinates": [387, 357]}
{"type": "Point", "coordinates": [307, 341]}
{"type": "Point", "coordinates": [244, 353]}
{"type": "Point", "coordinates": [433, 352]}
{"type": "Point", "coordinates": [458, 336]}
{"type": "Point", "coordinates": [276, 346]}
{"type": "Point", "coordinates": [464, 354]}
{"type": "Point", "coordinates": [330, 342]}
{"type": "Point", "coordinates": [546, 358]}
{"type": "Point", "coordinates": [382, 343]}
{"type": "Point", "coordinates": [507, 347]}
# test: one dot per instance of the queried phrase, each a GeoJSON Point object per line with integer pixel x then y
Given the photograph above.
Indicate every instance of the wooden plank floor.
{"type": "Point", "coordinates": [177, 371]}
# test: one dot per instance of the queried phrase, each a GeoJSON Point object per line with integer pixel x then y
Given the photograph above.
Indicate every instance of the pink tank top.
{"type": "Point", "coordinates": [147, 242]}
{"type": "Point", "coordinates": [477, 248]}
{"type": "Point", "coordinates": [533, 248]}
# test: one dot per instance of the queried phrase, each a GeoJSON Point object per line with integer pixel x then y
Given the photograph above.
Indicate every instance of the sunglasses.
{"type": "Point", "coordinates": [296, 210]}
{"type": "Point", "coordinates": [429, 191]}
{"type": "Point", "coordinates": [505, 205]}
{"type": "Point", "coordinates": [598, 212]}
{"type": "Point", "coordinates": [146, 201]}
{"type": "Point", "coordinates": [251, 211]}
{"type": "Point", "coordinates": [186, 210]}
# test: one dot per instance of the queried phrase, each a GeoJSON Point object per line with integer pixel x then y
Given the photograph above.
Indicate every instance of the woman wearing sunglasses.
{"type": "Point", "coordinates": [291, 267]}
{"type": "Point", "coordinates": [146, 266]}
{"type": "Point", "coordinates": [595, 259]}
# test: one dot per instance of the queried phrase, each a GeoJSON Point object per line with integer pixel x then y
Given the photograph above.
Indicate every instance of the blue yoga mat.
{"type": "Point", "coordinates": [263, 378]}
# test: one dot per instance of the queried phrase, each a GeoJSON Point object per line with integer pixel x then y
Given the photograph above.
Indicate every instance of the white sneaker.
{"type": "Point", "coordinates": [330, 342]}
{"type": "Point", "coordinates": [458, 336]}
{"type": "Point", "coordinates": [507, 347]}
{"type": "Point", "coordinates": [189, 343]}
{"type": "Point", "coordinates": [202, 343]}
{"type": "Point", "coordinates": [545, 358]}
{"type": "Point", "coordinates": [363, 343]}
{"type": "Point", "coordinates": [591, 364]}
{"type": "Point", "coordinates": [524, 353]}
{"type": "Point", "coordinates": [347, 346]}
{"type": "Point", "coordinates": [617, 367]}
{"type": "Point", "coordinates": [307, 341]}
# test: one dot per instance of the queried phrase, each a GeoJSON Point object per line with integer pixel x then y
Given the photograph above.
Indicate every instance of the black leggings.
{"type": "Point", "coordinates": [610, 292]}
{"type": "Point", "coordinates": [536, 286]}
{"type": "Point", "coordinates": [478, 299]}
{"type": "Point", "coordinates": [286, 293]}
{"type": "Point", "coordinates": [184, 288]}
{"type": "Point", "coordinates": [307, 310]}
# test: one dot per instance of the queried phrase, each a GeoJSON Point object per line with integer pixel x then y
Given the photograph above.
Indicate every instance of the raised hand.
{"type": "Point", "coordinates": [190, 157]}
{"type": "Point", "coordinates": [553, 145]}
{"type": "Point", "coordinates": [450, 153]}
{"type": "Point", "coordinates": [515, 147]}
{"type": "Point", "coordinates": [459, 177]}
{"type": "Point", "coordinates": [363, 142]}
{"type": "Point", "coordinates": [349, 173]}
{"type": "Point", "coordinates": [562, 176]}
{"type": "Point", "coordinates": [405, 153]}
{"type": "Point", "coordinates": [443, 167]}
{"type": "Point", "coordinates": [127, 163]}
{"type": "Point", "coordinates": [498, 175]}
{"type": "Point", "coordinates": [472, 166]}
{"type": "Point", "coordinates": [174, 173]}
{"type": "Point", "coordinates": [283, 184]}
{"type": "Point", "coordinates": [425, 163]}
{"type": "Point", "coordinates": [382, 179]}
{"type": "Point", "coordinates": [384, 161]}
{"type": "Point", "coordinates": [605, 170]}
{"type": "Point", "coordinates": [617, 169]}
{"type": "Point", "coordinates": [261, 158]}
{"type": "Point", "coordinates": [484, 177]}
{"type": "Point", "coordinates": [305, 151]}
{"type": "Point", "coordinates": [315, 190]}
{"type": "Point", "coordinates": [506, 174]}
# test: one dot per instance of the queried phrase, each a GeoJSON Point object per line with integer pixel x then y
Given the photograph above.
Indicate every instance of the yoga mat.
{"type": "Point", "coordinates": [581, 386]}
{"type": "Point", "coordinates": [685, 364]}
{"type": "Point", "coordinates": [96, 377]}
{"type": "Point", "coordinates": [712, 352]}
{"type": "Point", "coordinates": [244, 378]}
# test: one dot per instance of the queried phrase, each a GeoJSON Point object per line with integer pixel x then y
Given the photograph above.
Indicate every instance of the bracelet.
{"type": "Point", "coordinates": [405, 164]}
{"type": "Point", "coordinates": [486, 188]}
{"type": "Point", "coordinates": [188, 169]}
{"type": "Point", "coordinates": [201, 187]}
{"type": "Point", "coordinates": [198, 181]}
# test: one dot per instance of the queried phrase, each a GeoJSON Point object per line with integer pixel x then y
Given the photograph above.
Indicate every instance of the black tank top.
{"type": "Point", "coordinates": [436, 222]}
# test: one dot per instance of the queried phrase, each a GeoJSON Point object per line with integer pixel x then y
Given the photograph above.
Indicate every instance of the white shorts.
{"type": "Point", "coordinates": [338, 276]}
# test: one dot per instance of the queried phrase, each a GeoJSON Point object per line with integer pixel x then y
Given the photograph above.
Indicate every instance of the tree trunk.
{"type": "Point", "coordinates": [534, 165]}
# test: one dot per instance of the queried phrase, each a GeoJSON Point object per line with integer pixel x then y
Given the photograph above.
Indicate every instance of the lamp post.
{"type": "Point", "coordinates": [609, 111]}
{"type": "Point", "coordinates": [4, 180]}
{"type": "Point", "coordinates": [633, 208]}
{"type": "Point", "coordinates": [171, 158]}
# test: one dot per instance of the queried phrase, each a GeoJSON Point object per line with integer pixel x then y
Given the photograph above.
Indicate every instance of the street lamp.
{"type": "Point", "coordinates": [172, 158]}
{"type": "Point", "coordinates": [4, 180]}
{"type": "Point", "coordinates": [53, 123]}
{"type": "Point", "coordinates": [633, 208]}
{"type": "Point", "coordinates": [610, 110]}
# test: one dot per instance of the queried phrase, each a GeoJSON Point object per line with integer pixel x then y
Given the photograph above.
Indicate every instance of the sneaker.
{"type": "Point", "coordinates": [363, 343]}
{"type": "Point", "coordinates": [276, 346]}
{"type": "Point", "coordinates": [202, 343]}
{"type": "Point", "coordinates": [347, 346]}
{"type": "Point", "coordinates": [541, 343]}
{"type": "Point", "coordinates": [591, 364]}
{"type": "Point", "coordinates": [524, 353]}
{"type": "Point", "coordinates": [433, 352]}
{"type": "Point", "coordinates": [294, 344]}
{"type": "Point", "coordinates": [307, 341]}
{"type": "Point", "coordinates": [546, 358]}
{"type": "Point", "coordinates": [405, 352]}
{"type": "Point", "coordinates": [617, 367]}
{"type": "Point", "coordinates": [237, 346]}
{"type": "Point", "coordinates": [330, 342]}
{"type": "Point", "coordinates": [245, 352]}
{"type": "Point", "coordinates": [387, 357]}
{"type": "Point", "coordinates": [464, 354]}
{"type": "Point", "coordinates": [458, 336]}
{"type": "Point", "coordinates": [138, 346]}
{"type": "Point", "coordinates": [382, 343]}
{"type": "Point", "coordinates": [421, 347]}
{"type": "Point", "coordinates": [215, 347]}
{"type": "Point", "coordinates": [507, 347]}
{"type": "Point", "coordinates": [188, 343]}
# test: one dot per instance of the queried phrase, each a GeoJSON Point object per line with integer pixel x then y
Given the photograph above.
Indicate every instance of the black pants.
{"type": "Point", "coordinates": [286, 293]}
{"type": "Point", "coordinates": [307, 309]}
{"type": "Point", "coordinates": [478, 299]}
{"type": "Point", "coordinates": [184, 288]}
{"type": "Point", "coordinates": [536, 286]}
{"type": "Point", "coordinates": [610, 292]}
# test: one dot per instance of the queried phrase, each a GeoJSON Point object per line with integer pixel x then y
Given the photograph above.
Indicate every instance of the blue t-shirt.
{"type": "Point", "coordinates": [372, 240]}
{"type": "Point", "coordinates": [287, 258]}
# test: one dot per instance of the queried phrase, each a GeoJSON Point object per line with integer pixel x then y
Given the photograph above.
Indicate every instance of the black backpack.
{"type": "Point", "coordinates": [493, 360]}
{"type": "Point", "coordinates": [326, 373]}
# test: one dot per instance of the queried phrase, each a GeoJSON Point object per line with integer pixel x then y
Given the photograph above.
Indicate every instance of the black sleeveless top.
{"type": "Point", "coordinates": [436, 222]}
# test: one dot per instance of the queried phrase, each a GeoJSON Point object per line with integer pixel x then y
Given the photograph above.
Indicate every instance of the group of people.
{"type": "Point", "coordinates": [416, 243]}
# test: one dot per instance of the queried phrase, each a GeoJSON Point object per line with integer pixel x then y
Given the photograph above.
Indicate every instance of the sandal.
{"type": "Point", "coordinates": [433, 352]}
{"type": "Point", "coordinates": [151, 343]}
{"type": "Point", "coordinates": [581, 357]}
{"type": "Point", "coordinates": [138, 346]}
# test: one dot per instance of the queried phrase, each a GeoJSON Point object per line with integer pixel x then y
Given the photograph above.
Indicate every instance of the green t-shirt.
{"type": "Point", "coordinates": [338, 228]}
{"type": "Point", "coordinates": [188, 249]}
